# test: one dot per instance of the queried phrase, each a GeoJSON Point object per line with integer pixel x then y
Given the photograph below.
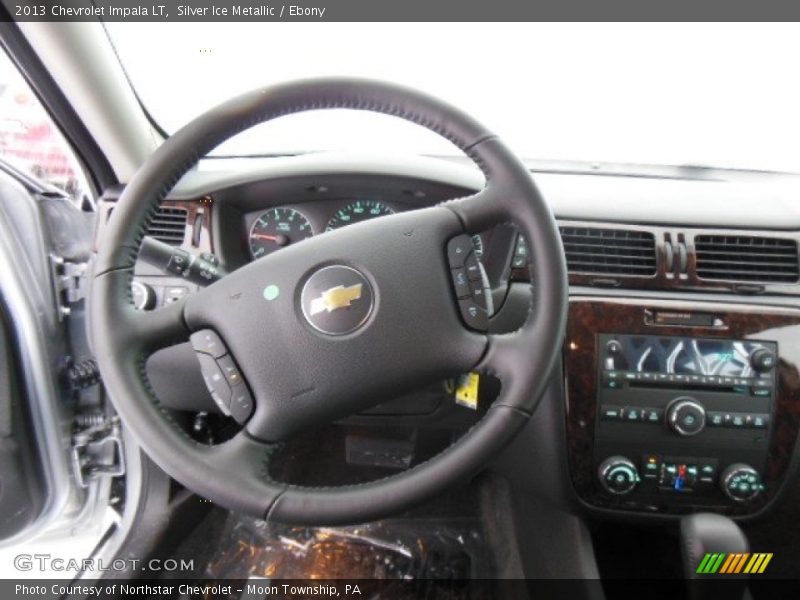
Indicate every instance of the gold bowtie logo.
{"type": "Point", "coordinates": [335, 298]}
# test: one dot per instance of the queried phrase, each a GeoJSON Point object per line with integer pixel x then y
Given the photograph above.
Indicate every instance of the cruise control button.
{"type": "Point", "coordinates": [474, 316]}
{"type": "Point", "coordinates": [461, 283]}
{"type": "Point", "coordinates": [241, 403]}
{"type": "Point", "coordinates": [458, 249]}
{"type": "Point", "coordinates": [208, 342]}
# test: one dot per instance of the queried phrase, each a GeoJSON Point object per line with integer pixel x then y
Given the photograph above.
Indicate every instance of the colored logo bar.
{"type": "Point", "coordinates": [732, 564]}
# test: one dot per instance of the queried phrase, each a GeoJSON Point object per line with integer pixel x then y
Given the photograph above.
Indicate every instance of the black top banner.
{"type": "Point", "coordinates": [402, 10]}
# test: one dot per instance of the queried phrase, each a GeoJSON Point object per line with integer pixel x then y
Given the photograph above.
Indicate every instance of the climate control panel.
{"type": "Point", "coordinates": [620, 476]}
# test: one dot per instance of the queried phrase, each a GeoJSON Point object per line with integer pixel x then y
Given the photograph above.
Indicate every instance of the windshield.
{"type": "Point", "coordinates": [719, 95]}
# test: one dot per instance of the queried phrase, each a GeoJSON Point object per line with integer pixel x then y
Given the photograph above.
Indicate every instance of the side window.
{"type": "Point", "coordinates": [29, 140]}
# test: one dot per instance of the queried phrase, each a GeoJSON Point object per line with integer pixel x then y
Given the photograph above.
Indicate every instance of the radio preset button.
{"type": "Point", "coordinates": [737, 420]}
{"type": "Point", "coordinates": [610, 413]}
{"type": "Point", "coordinates": [632, 414]}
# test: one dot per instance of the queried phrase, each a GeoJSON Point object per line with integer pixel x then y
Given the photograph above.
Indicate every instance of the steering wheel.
{"type": "Point", "coordinates": [298, 326]}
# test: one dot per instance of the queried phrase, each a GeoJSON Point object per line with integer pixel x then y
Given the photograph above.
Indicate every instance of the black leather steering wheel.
{"type": "Point", "coordinates": [302, 364]}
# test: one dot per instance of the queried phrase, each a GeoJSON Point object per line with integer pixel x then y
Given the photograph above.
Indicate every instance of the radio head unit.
{"type": "Point", "coordinates": [682, 419]}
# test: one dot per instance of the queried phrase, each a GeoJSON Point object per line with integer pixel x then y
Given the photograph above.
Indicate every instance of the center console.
{"type": "Point", "coordinates": [674, 408]}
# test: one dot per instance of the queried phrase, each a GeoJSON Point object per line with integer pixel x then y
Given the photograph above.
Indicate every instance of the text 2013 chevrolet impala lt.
{"type": "Point", "coordinates": [346, 310]}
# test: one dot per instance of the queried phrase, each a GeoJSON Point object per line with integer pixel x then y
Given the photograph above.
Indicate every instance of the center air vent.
{"type": "Point", "coordinates": [746, 258]}
{"type": "Point", "coordinates": [169, 225]}
{"type": "Point", "coordinates": [624, 252]}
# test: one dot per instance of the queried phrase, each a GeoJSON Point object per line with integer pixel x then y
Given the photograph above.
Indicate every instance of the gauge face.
{"type": "Point", "coordinates": [360, 210]}
{"type": "Point", "coordinates": [276, 228]}
{"type": "Point", "coordinates": [477, 241]}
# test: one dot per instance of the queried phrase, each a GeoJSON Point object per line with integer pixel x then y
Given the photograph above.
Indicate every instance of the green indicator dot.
{"type": "Point", "coordinates": [271, 292]}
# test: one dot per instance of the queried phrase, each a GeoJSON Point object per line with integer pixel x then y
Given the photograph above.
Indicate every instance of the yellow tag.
{"type": "Point", "coordinates": [467, 391]}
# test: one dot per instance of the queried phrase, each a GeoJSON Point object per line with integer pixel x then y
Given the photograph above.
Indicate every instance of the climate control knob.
{"type": "Point", "coordinates": [686, 416]}
{"type": "Point", "coordinates": [740, 482]}
{"type": "Point", "coordinates": [618, 475]}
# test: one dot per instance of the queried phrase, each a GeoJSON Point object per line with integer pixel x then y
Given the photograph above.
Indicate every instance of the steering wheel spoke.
{"type": "Point", "coordinates": [159, 328]}
{"type": "Point", "coordinates": [482, 210]}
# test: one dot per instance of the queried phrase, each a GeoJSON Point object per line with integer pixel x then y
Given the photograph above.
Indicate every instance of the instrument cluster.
{"type": "Point", "coordinates": [274, 228]}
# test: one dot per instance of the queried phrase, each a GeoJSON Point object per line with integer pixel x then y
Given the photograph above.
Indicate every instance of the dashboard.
{"type": "Point", "coordinates": [680, 380]}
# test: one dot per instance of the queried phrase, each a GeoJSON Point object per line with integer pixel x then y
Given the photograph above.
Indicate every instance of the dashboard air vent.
{"type": "Point", "coordinates": [169, 225]}
{"type": "Point", "coordinates": [624, 252]}
{"type": "Point", "coordinates": [746, 258]}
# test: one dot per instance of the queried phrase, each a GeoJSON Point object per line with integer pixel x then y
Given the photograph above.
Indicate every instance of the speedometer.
{"type": "Point", "coordinates": [357, 211]}
{"type": "Point", "coordinates": [276, 228]}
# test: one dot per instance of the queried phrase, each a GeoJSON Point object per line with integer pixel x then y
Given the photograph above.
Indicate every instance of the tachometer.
{"type": "Point", "coordinates": [276, 228]}
{"type": "Point", "coordinates": [357, 211]}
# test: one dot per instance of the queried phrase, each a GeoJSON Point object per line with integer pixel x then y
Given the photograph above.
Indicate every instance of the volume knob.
{"type": "Point", "coordinates": [618, 475]}
{"type": "Point", "coordinates": [762, 360]}
{"type": "Point", "coordinates": [686, 416]}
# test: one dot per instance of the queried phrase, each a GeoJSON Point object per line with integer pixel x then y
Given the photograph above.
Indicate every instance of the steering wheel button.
{"type": "Point", "coordinates": [220, 404]}
{"type": "Point", "coordinates": [473, 267]}
{"type": "Point", "coordinates": [474, 316]}
{"type": "Point", "coordinates": [478, 294]}
{"type": "Point", "coordinates": [461, 283]}
{"type": "Point", "coordinates": [230, 370]}
{"type": "Point", "coordinates": [241, 403]}
{"type": "Point", "coordinates": [458, 249]}
{"type": "Point", "coordinates": [208, 342]}
{"type": "Point", "coordinates": [214, 379]}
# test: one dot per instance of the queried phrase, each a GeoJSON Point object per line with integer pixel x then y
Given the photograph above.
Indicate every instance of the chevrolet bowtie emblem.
{"type": "Point", "coordinates": [335, 298]}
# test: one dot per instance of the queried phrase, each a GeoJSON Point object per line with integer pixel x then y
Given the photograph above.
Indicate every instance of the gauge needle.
{"type": "Point", "coordinates": [279, 239]}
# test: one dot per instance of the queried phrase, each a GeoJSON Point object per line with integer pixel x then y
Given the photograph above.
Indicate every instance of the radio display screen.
{"type": "Point", "coordinates": [683, 355]}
